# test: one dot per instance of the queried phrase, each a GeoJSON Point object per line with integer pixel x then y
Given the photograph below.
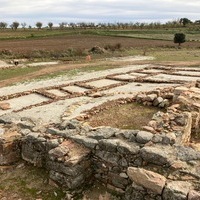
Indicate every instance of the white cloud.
{"type": "Point", "coordinates": [93, 10]}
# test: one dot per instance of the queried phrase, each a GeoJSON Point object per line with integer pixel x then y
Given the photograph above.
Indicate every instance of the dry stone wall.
{"type": "Point", "coordinates": [158, 162]}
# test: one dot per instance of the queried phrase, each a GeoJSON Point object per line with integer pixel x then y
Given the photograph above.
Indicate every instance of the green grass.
{"type": "Point", "coordinates": [154, 34]}
{"type": "Point", "coordinates": [175, 55]}
{"type": "Point", "coordinates": [11, 73]}
{"type": "Point", "coordinates": [33, 33]}
{"type": "Point", "coordinates": [168, 54]}
{"type": "Point", "coordinates": [158, 34]}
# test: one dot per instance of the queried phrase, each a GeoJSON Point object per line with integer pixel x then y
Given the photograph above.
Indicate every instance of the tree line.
{"type": "Point", "coordinates": [183, 22]}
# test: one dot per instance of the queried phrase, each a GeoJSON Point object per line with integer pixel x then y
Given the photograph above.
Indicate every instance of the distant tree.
{"type": "Point", "coordinates": [185, 21]}
{"type": "Point", "coordinates": [50, 24]}
{"type": "Point", "coordinates": [62, 25]}
{"type": "Point", "coordinates": [39, 25]}
{"type": "Point", "coordinates": [15, 25]}
{"type": "Point", "coordinates": [179, 38]}
{"type": "Point", "coordinates": [23, 25]}
{"type": "Point", "coordinates": [3, 25]}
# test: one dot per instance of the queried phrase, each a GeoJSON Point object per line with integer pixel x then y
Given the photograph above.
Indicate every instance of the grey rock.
{"type": "Point", "coordinates": [157, 101]}
{"type": "Point", "coordinates": [58, 152]}
{"type": "Point", "coordinates": [10, 118]}
{"type": "Point", "coordinates": [39, 128]}
{"type": "Point", "coordinates": [181, 120]}
{"type": "Point", "coordinates": [54, 131]}
{"type": "Point", "coordinates": [123, 162]}
{"type": "Point", "coordinates": [88, 142]}
{"type": "Point", "coordinates": [109, 144]}
{"type": "Point", "coordinates": [176, 190]}
{"type": "Point", "coordinates": [53, 143]}
{"type": "Point", "coordinates": [144, 137]}
{"type": "Point", "coordinates": [26, 125]}
{"type": "Point", "coordinates": [151, 97]}
{"type": "Point", "coordinates": [109, 157]}
{"type": "Point", "coordinates": [187, 153]}
{"type": "Point", "coordinates": [127, 148]}
{"type": "Point", "coordinates": [25, 132]}
{"type": "Point", "coordinates": [70, 124]}
{"type": "Point", "coordinates": [127, 134]}
{"type": "Point", "coordinates": [157, 138]}
{"type": "Point", "coordinates": [140, 97]}
{"type": "Point", "coordinates": [102, 133]}
{"type": "Point", "coordinates": [164, 103]}
{"type": "Point", "coordinates": [113, 145]}
{"type": "Point", "coordinates": [123, 175]}
{"type": "Point", "coordinates": [169, 138]}
{"type": "Point", "coordinates": [160, 155]}
{"type": "Point", "coordinates": [33, 136]}
{"type": "Point", "coordinates": [117, 181]}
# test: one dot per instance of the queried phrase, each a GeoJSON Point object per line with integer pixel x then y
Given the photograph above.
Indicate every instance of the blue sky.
{"type": "Point", "coordinates": [97, 10]}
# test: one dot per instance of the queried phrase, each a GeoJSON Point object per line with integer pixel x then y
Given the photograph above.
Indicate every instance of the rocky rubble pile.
{"type": "Point", "coordinates": [155, 163]}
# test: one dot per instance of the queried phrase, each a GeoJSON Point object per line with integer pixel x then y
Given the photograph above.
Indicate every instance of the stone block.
{"type": "Point", "coordinates": [160, 155]}
{"type": "Point", "coordinates": [157, 101]}
{"type": "Point", "coordinates": [143, 137]}
{"type": "Point", "coordinates": [10, 146]}
{"type": "Point", "coordinates": [147, 179]}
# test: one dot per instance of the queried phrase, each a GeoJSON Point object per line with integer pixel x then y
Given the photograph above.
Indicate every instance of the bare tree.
{"type": "Point", "coordinates": [39, 25]}
{"type": "Point", "coordinates": [23, 25]}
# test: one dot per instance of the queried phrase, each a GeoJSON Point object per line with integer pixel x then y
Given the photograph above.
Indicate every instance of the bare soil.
{"type": "Point", "coordinates": [26, 182]}
{"type": "Point", "coordinates": [123, 116]}
{"type": "Point", "coordinates": [60, 43]}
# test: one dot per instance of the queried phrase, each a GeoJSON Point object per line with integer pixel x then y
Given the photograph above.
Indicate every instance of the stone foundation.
{"type": "Point", "coordinates": [154, 163]}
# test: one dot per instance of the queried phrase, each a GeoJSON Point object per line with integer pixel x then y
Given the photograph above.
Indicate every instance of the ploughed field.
{"type": "Point", "coordinates": [59, 43]}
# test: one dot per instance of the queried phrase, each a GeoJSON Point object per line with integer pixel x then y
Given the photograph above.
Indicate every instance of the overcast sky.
{"type": "Point", "coordinates": [56, 11]}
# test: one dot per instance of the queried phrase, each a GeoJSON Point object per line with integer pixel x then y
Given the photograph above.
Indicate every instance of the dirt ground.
{"type": "Point", "coordinates": [60, 43]}
{"type": "Point", "coordinates": [125, 116]}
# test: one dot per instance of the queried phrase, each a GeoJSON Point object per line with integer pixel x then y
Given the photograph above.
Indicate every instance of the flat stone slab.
{"type": "Point", "coordinates": [137, 74]}
{"type": "Point", "coordinates": [58, 92]}
{"type": "Point", "coordinates": [136, 87]}
{"type": "Point", "coordinates": [192, 73]}
{"type": "Point", "coordinates": [125, 77]}
{"type": "Point", "coordinates": [75, 88]}
{"type": "Point", "coordinates": [102, 83]}
{"type": "Point", "coordinates": [24, 101]}
{"type": "Point", "coordinates": [167, 77]}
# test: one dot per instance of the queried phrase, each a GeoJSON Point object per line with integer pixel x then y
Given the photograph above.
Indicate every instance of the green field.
{"type": "Point", "coordinates": [156, 34]}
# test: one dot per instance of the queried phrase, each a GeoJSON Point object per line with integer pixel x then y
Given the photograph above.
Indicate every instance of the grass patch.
{"type": "Point", "coordinates": [11, 73]}
{"type": "Point", "coordinates": [175, 55]}
{"type": "Point", "coordinates": [126, 116]}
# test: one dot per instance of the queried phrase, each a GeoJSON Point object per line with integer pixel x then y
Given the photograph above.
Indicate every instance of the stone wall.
{"type": "Point", "coordinates": [154, 163]}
